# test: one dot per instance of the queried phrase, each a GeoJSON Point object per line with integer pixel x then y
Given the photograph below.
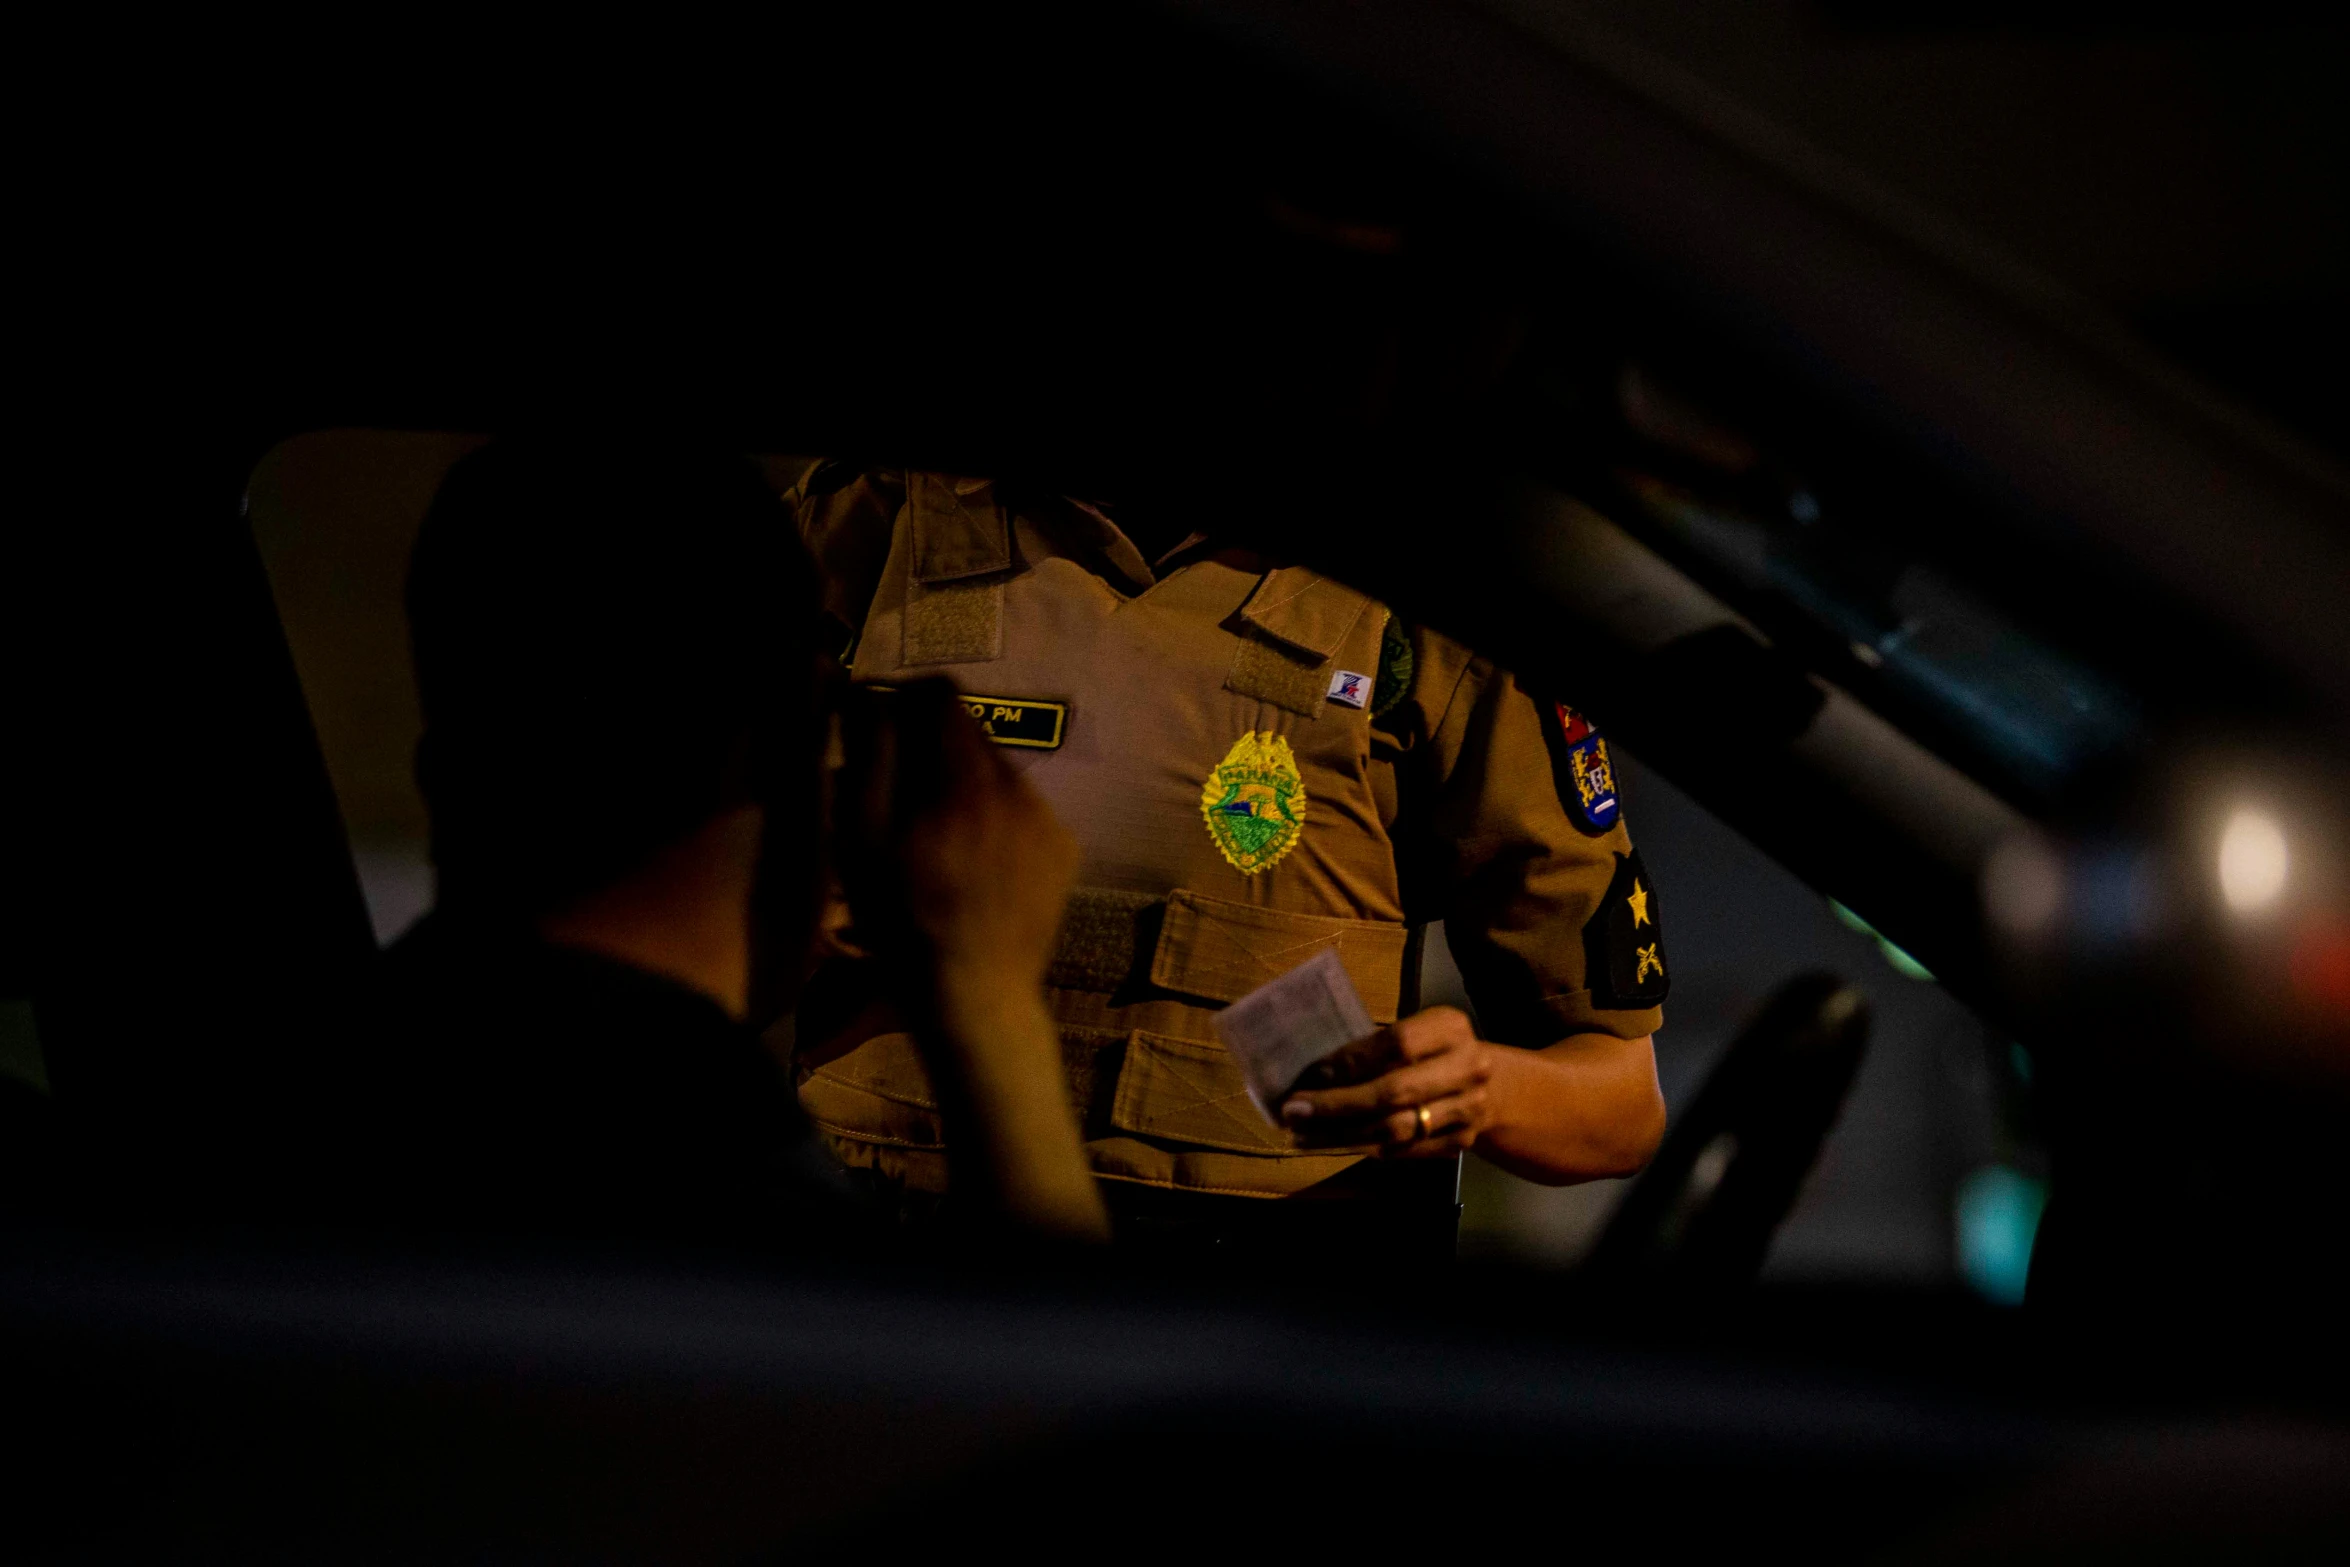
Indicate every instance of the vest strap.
{"type": "Point", "coordinates": [1106, 940]}
{"type": "Point", "coordinates": [1219, 950]}
{"type": "Point", "coordinates": [961, 551]}
{"type": "Point", "coordinates": [1223, 950]}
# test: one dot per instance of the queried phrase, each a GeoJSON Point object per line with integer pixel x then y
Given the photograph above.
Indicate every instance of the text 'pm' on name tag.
{"type": "Point", "coordinates": [1020, 720]}
{"type": "Point", "coordinates": [1027, 721]}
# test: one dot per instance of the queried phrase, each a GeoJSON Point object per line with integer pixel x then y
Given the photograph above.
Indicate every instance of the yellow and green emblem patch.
{"type": "Point", "coordinates": [1255, 802]}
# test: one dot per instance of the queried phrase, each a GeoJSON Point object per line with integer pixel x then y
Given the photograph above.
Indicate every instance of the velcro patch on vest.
{"type": "Point", "coordinates": [1029, 722]}
{"type": "Point", "coordinates": [1268, 672]}
{"type": "Point", "coordinates": [954, 622]}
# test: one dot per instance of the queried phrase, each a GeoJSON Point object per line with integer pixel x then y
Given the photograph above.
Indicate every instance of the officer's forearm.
{"type": "Point", "coordinates": [1583, 1109]}
{"type": "Point", "coordinates": [998, 1046]}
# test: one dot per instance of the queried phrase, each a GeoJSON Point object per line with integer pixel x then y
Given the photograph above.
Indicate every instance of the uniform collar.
{"type": "Point", "coordinates": [962, 529]}
{"type": "Point", "coordinates": [1117, 550]}
{"type": "Point", "coordinates": [1292, 604]}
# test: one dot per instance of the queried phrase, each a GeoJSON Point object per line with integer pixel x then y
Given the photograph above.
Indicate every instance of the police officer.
{"type": "Point", "coordinates": [1259, 763]}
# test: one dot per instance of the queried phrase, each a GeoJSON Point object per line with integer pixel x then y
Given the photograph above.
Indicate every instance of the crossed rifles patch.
{"type": "Point", "coordinates": [1623, 945]}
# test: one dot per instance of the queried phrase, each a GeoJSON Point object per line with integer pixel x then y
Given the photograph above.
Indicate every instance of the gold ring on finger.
{"type": "Point", "coordinates": [1424, 1128]}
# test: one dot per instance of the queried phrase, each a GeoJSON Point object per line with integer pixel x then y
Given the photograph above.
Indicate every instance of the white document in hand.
{"type": "Point", "coordinates": [1279, 1029]}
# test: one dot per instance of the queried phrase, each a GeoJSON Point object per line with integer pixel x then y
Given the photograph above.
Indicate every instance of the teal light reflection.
{"type": "Point", "coordinates": [1998, 1215]}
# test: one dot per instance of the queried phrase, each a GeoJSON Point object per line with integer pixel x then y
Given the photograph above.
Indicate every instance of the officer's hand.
{"type": "Point", "coordinates": [1431, 1060]}
{"type": "Point", "coordinates": [956, 871]}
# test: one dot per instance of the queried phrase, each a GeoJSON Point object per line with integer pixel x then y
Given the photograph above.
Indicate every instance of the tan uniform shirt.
{"type": "Point", "coordinates": [1257, 763]}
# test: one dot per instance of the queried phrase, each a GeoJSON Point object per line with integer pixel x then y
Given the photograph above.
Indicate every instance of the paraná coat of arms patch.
{"type": "Point", "coordinates": [1255, 802]}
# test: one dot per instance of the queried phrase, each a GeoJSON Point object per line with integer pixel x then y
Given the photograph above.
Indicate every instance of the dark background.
{"type": "Point", "coordinates": [2185, 167]}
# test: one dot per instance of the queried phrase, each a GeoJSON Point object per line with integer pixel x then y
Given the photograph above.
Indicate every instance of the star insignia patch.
{"type": "Point", "coordinates": [1623, 943]}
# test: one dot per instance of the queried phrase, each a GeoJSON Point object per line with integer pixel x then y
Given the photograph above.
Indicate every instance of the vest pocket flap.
{"type": "Point", "coordinates": [1221, 950]}
{"type": "Point", "coordinates": [879, 1092]}
{"type": "Point", "coordinates": [1190, 1092]}
{"type": "Point", "coordinates": [1305, 609]}
{"type": "Point", "coordinates": [959, 530]}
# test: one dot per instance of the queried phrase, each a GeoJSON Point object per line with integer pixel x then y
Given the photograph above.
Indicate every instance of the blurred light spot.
{"type": "Point", "coordinates": [1712, 1163]}
{"type": "Point", "coordinates": [2252, 862]}
{"type": "Point", "coordinates": [1706, 1171]}
{"type": "Point", "coordinates": [1803, 506]}
{"type": "Point", "coordinates": [1998, 1217]}
{"type": "Point", "coordinates": [2023, 886]}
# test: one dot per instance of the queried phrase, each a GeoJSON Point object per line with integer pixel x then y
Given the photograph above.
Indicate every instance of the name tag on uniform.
{"type": "Point", "coordinates": [1025, 721]}
{"type": "Point", "coordinates": [1020, 720]}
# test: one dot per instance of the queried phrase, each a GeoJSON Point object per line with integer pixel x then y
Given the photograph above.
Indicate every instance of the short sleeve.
{"type": "Point", "coordinates": [1510, 831]}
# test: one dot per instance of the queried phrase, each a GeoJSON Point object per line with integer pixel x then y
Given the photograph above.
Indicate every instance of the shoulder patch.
{"type": "Point", "coordinates": [1624, 941]}
{"type": "Point", "coordinates": [1580, 769]}
{"type": "Point", "coordinates": [1396, 667]}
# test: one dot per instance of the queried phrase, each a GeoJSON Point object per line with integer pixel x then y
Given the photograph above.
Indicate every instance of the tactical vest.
{"type": "Point", "coordinates": [1232, 819]}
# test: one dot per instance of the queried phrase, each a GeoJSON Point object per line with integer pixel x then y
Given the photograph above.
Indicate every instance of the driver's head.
{"type": "Point", "coordinates": [614, 642]}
